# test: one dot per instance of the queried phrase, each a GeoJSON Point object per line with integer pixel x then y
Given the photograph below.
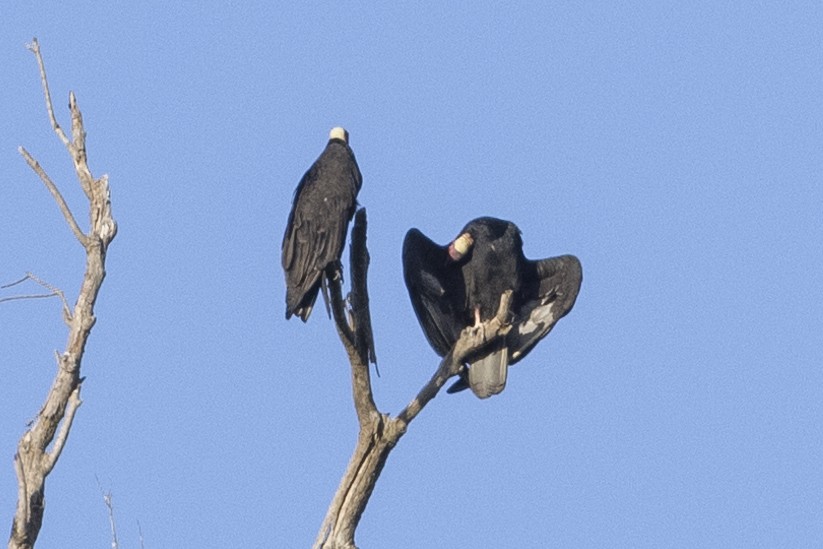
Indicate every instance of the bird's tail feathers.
{"type": "Point", "coordinates": [487, 376]}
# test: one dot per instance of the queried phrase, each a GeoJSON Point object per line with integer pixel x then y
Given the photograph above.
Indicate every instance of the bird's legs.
{"type": "Point", "coordinates": [334, 271]}
{"type": "Point", "coordinates": [479, 327]}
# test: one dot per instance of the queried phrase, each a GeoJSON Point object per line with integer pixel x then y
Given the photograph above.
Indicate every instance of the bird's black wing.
{"type": "Point", "coordinates": [324, 202]}
{"type": "Point", "coordinates": [436, 290]}
{"type": "Point", "coordinates": [549, 291]}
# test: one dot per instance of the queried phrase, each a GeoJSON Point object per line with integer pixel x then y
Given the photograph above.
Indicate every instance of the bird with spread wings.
{"type": "Point", "coordinates": [459, 285]}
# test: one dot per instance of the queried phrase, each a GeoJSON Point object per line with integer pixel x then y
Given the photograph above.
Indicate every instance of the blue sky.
{"type": "Point", "coordinates": [675, 149]}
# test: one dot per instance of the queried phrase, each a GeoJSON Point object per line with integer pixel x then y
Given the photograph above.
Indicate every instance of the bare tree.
{"type": "Point", "coordinates": [379, 432]}
{"type": "Point", "coordinates": [40, 446]}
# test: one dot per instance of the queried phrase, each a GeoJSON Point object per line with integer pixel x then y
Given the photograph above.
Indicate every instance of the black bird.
{"type": "Point", "coordinates": [459, 285]}
{"type": "Point", "coordinates": [324, 203]}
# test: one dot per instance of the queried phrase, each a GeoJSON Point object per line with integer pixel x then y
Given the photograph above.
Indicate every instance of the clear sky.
{"type": "Point", "coordinates": [675, 147]}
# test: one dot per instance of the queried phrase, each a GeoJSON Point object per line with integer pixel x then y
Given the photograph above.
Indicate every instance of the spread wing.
{"type": "Point", "coordinates": [549, 291]}
{"type": "Point", "coordinates": [436, 290]}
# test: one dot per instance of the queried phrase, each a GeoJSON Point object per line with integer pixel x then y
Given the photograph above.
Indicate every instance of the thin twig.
{"type": "Point", "coordinates": [10, 284]}
{"type": "Point", "coordinates": [107, 499]}
{"type": "Point", "coordinates": [54, 290]}
{"type": "Point", "coordinates": [58, 197]}
{"type": "Point", "coordinates": [27, 296]}
{"type": "Point", "coordinates": [34, 47]}
{"type": "Point", "coordinates": [114, 543]}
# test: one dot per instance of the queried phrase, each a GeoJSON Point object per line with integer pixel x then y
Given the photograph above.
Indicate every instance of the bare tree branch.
{"type": "Point", "coordinates": [380, 433]}
{"type": "Point", "coordinates": [57, 448]}
{"type": "Point", "coordinates": [34, 47]}
{"type": "Point", "coordinates": [61, 202]}
{"type": "Point", "coordinates": [15, 283]}
{"type": "Point", "coordinates": [338, 307]}
{"type": "Point", "coordinates": [19, 527]}
{"type": "Point", "coordinates": [471, 341]}
{"type": "Point", "coordinates": [107, 499]}
{"type": "Point", "coordinates": [361, 316]}
{"type": "Point", "coordinates": [24, 296]}
{"type": "Point", "coordinates": [33, 460]}
{"type": "Point", "coordinates": [55, 291]}
{"type": "Point", "coordinates": [359, 345]}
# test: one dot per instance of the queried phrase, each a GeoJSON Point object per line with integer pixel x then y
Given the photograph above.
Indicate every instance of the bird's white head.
{"type": "Point", "coordinates": [339, 133]}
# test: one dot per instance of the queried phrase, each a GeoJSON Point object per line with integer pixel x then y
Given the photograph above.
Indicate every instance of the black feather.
{"type": "Point", "coordinates": [436, 290]}
{"type": "Point", "coordinates": [324, 203]}
{"type": "Point", "coordinates": [448, 293]}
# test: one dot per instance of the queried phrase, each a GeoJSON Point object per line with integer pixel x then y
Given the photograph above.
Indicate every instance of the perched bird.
{"type": "Point", "coordinates": [324, 203]}
{"type": "Point", "coordinates": [459, 285]}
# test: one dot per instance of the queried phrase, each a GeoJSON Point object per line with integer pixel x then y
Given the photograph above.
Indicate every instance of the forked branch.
{"type": "Point", "coordinates": [379, 433]}
{"type": "Point", "coordinates": [41, 445]}
{"type": "Point", "coordinates": [54, 291]}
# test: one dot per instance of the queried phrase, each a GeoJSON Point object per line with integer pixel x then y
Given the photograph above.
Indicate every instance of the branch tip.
{"type": "Point", "coordinates": [33, 46]}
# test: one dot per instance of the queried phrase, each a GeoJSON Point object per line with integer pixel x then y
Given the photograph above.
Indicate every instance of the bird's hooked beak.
{"type": "Point", "coordinates": [461, 246]}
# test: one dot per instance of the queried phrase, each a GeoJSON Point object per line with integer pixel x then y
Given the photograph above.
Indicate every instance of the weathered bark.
{"type": "Point", "coordinates": [379, 433]}
{"type": "Point", "coordinates": [38, 449]}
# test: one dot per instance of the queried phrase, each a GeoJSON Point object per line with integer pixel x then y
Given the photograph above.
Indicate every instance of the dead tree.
{"type": "Point", "coordinates": [379, 432]}
{"type": "Point", "coordinates": [39, 448]}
